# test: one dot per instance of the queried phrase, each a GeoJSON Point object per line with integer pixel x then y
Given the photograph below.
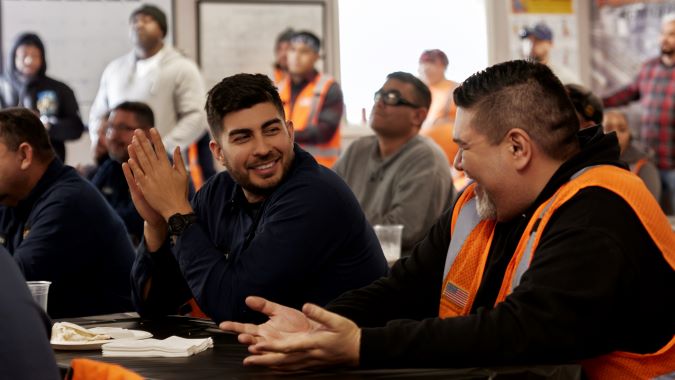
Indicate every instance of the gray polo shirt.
{"type": "Point", "coordinates": [411, 187]}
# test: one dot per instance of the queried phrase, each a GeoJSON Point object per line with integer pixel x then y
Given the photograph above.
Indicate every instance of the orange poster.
{"type": "Point", "coordinates": [542, 6]}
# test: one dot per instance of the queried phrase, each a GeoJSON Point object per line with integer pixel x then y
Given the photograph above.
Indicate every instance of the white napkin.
{"type": "Point", "coordinates": [171, 347]}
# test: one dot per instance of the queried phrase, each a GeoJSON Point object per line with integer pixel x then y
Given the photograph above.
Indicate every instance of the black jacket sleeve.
{"type": "Point", "coordinates": [68, 125]}
{"type": "Point", "coordinates": [595, 284]}
{"type": "Point", "coordinates": [168, 289]}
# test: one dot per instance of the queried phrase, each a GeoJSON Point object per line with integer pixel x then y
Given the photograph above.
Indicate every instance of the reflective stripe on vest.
{"type": "Point", "coordinates": [305, 114]}
{"type": "Point", "coordinates": [616, 365]}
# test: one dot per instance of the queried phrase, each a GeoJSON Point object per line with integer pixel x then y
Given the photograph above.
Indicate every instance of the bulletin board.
{"type": "Point", "coordinates": [81, 36]}
{"type": "Point", "coordinates": [239, 36]}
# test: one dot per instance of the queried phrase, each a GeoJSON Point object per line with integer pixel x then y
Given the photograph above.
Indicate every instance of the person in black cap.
{"type": "Point", "coordinates": [587, 104]}
{"type": "Point", "coordinates": [537, 46]}
{"type": "Point", "coordinates": [158, 75]}
{"type": "Point", "coordinates": [26, 84]}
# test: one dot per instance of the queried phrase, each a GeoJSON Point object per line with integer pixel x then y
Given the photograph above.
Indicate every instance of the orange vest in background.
{"type": "Point", "coordinates": [440, 124]}
{"type": "Point", "coordinates": [278, 76]}
{"type": "Point", "coordinates": [472, 237]}
{"type": "Point", "coordinates": [304, 114]}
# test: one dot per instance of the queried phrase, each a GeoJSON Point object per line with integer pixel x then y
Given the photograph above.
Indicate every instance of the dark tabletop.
{"type": "Point", "coordinates": [224, 360]}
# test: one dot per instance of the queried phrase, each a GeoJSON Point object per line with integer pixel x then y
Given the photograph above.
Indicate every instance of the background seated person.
{"type": "Point", "coordinates": [57, 226]}
{"type": "Point", "coordinates": [398, 176]}
{"type": "Point", "coordinates": [535, 263]}
{"type": "Point", "coordinates": [275, 223]}
{"type": "Point", "coordinates": [124, 119]}
{"type": "Point", "coordinates": [639, 161]}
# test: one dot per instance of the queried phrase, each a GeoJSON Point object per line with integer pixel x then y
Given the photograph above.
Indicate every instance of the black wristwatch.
{"type": "Point", "coordinates": [179, 222]}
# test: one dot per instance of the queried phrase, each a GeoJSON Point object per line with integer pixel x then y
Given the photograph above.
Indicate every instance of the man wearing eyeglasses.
{"type": "Point", "coordinates": [125, 118]}
{"type": "Point", "coordinates": [398, 176]}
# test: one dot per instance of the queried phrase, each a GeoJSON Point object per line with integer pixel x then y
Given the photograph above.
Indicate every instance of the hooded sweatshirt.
{"type": "Point", "coordinates": [53, 100]}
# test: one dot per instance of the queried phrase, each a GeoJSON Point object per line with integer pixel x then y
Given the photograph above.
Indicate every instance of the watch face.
{"type": "Point", "coordinates": [179, 222]}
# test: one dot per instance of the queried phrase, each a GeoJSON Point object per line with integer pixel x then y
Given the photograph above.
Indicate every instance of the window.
{"type": "Point", "coordinates": [378, 37]}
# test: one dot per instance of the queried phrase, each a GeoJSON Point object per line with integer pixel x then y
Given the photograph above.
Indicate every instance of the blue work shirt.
{"type": "Point", "coordinates": [66, 233]}
{"type": "Point", "coordinates": [109, 180]}
{"type": "Point", "coordinates": [308, 241]}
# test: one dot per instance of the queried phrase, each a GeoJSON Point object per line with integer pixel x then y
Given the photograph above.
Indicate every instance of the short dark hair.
{"type": "Point", "coordinates": [422, 93]}
{"type": "Point", "coordinates": [238, 92]}
{"type": "Point", "coordinates": [284, 36]}
{"type": "Point", "coordinates": [143, 112]}
{"type": "Point", "coordinates": [21, 125]}
{"type": "Point", "coordinates": [522, 94]}
{"type": "Point", "coordinates": [308, 38]}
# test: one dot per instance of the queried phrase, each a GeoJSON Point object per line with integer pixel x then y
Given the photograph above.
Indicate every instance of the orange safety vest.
{"type": "Point", "coordinates": [305, 114]}
{"type": "Point", "coordinates": [441, 132]}
{"type": "Point", "coordinates": [278, 75]}
{"type": "Point", "coordinates": [637, 166]}
{"type": "Point", "coordinates": [470, 244]}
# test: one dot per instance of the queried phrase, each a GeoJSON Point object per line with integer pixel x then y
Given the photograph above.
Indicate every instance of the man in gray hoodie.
{"type": "Point", "coordinates": [156, 74]}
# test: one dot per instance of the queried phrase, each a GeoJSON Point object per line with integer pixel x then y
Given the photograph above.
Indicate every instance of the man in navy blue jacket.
{"type": "Point", "coordinates": [124, 119]}
{"type": "Point", "coordinates": [57, 226]}
{"type": "Point", "coordinates": [276, 223]}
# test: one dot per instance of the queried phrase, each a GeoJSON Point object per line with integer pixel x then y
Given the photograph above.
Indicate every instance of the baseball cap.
{"type": "Point", "coordinates": [540, 31]}
{"type": "Point", "coordinates": [587, 104]}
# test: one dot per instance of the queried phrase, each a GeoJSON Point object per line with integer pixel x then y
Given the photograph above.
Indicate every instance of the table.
{"type": "Point", "coordinates": [224, 360]}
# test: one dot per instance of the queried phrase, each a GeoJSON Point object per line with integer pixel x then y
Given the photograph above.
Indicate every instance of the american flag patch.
{"type": "Point", "coordinates": [456, 295]}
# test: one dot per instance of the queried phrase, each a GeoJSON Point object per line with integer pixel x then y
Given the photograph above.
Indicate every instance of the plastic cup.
{"type": "Point", "coordinates": [390, 240]}
{"type": "Point", "coordinates": [40, 291]}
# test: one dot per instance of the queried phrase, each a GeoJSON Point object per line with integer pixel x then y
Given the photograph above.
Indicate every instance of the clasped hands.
{"type": "Point", "coordinates": [158, 188]}
{"type": "Point", "coordinates": [292, 340]}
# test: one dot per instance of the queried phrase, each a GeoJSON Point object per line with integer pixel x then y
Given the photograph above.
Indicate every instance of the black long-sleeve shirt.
{"type": "Point", "coordinates": [596, 284]}
{"type": "Point", "coordinates": [24, 332]}
{"type": "Point", "coordinates": [66, 233]}
{"type": "Point", "coordinates": [307, 242]}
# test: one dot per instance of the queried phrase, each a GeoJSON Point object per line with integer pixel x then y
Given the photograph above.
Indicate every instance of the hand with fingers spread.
{"type": "Point", "coordinates": [292, 340]}
{"type": "Point", "coordinates": [164, 186]}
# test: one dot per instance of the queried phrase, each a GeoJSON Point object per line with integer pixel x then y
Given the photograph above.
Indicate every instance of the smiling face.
{"type": "Point", "coordinates": [485, 163]}
{"type": "Point", "coordinates": [256, 147]}
{"type": "Point", "coordinates": [120, 131]}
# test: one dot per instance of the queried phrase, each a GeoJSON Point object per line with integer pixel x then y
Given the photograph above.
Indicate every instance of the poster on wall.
{"type": "Point", "coordinates": [553, 17]}
{"type": "Point", "coordinates": [624, 34]}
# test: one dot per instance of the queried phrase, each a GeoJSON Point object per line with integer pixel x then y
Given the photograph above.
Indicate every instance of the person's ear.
{"type": "Point", "coordinates": [217, 152]}
{"type": "Point", "coordinates": [519, 146]}
{"type": "Point", "coordinates": [26, 155]}
{"type": "Point", "coordinates": [420, 115]}
{"type": "Point", "coordinates": [290, 129]}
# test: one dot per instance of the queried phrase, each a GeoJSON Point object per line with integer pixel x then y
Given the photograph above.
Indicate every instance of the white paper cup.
{"type": "Point", "coordinates": [40, 291]}
{"type": "Point", "coordinates": [390, 240]}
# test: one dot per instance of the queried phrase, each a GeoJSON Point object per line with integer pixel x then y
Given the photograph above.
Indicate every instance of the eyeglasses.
{"type": "Point", "coordinates": [393, 98]}
{"type": "Point", "coordinates": [120, 128]}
